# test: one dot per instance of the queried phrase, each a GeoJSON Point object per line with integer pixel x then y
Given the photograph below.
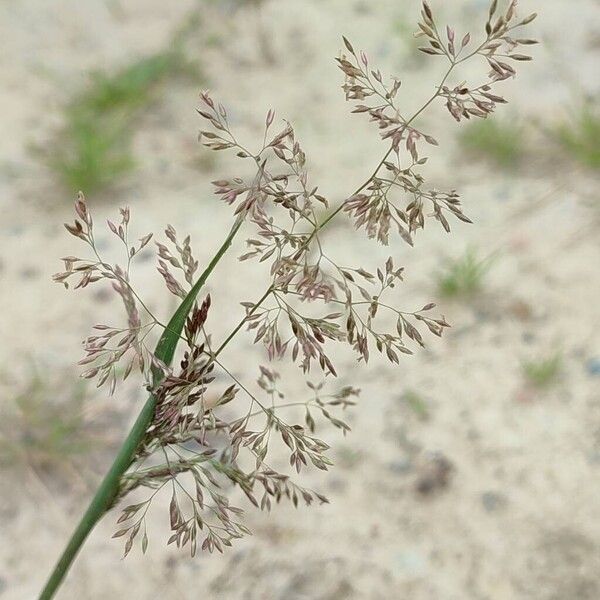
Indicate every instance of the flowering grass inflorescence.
{"type": "Point", "coordinates": [189, 442]}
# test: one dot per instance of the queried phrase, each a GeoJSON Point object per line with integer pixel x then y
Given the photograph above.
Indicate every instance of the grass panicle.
{"type": "Point", "coordinates": [184, 443]}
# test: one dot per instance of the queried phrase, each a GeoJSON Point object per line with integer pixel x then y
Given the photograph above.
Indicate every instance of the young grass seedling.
{"type": "Point", "coordinates": [94, 150]}
{"type": "Point", "coordinates": [543, 372]}
{"type": "Point", "coordinates": [580, 136]}
{"type": "Point", "coordinates": [183, 442]}
{"type": "Point", "coordinates": [499, 142]}
{"type": "Point", "coordinates": [417, 404]}
{"type": "Point", "coordinates": [46, 436]}
{"type": "Point", "coordinates": [464, 277]}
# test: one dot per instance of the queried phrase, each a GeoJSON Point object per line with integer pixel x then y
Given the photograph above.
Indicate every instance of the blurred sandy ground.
{"type": "Point", "coordinates": [520, 517]}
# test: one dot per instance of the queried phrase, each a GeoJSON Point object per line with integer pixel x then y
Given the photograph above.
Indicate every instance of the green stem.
{"type": "Point", "coordinates": [109, 488]}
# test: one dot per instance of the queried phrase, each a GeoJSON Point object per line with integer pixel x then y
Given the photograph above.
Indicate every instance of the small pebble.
{"type": "Point", "coordinates": [521, 310]}
{"type": "Point", "coordinates": [528, 338]}
{"type": "Point", "coordinates": [400, 467]}
{"type": "Point", "coordinates": [594, 458]}
{"type": "Point", "coordinates": [434, 475]}
{"type": "Point", "coordinates": [493, 501]}
{"type": "Point", "coordinates": [337, 484]}
{"type": "Point", "coordinates": [593, 366]}
{"type": "Point", "coordinates": [29, 272]}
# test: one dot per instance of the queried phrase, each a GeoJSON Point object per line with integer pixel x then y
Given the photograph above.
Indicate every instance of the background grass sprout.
{"type": "Point", "coordinates": [543, 372]}
{"type": "Point", "coordinates": [580, 135]}
{"type": "Point", "coordinates": [501, 142]}
{"type": "Point", "coordinates": [93, 151]}
{"type": "Point", "coordinates": [465, 276]}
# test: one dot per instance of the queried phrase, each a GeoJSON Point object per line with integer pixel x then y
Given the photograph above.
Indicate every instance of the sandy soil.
{"type": "Point", "coordinates": [520, 517]}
